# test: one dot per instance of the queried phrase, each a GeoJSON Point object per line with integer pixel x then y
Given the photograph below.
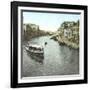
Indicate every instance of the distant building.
{"type": "Point", "coordinates": [24, 27]}
{"type": "Point", "coordinates": [70, 24]}
{"type": "Point", "coordinates": [67, 24]}
{"type": "Point", "coordinates": [34, 27]}
{"type": "Point", "coordinates": [68, 33]}
{"type": "Point", "coordinates": [70, 29]}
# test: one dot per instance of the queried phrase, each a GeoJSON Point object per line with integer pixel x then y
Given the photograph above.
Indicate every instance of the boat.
{"type": "Point", "coordinates": [35, 50]}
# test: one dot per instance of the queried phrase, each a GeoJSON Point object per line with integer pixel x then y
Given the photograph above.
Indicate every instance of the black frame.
{"type": "Point", "coordinates": [14, 44]}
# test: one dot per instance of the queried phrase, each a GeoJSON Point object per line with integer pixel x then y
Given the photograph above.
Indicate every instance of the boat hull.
{"type": "Point", "coordinates": [38, 56]}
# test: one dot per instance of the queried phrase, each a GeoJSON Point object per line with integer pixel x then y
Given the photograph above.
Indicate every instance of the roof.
{"type": "Point", "coordinates": [35, 45]}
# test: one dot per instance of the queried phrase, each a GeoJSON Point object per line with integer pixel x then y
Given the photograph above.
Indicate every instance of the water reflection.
{"type": "Point", "coordinates": [37, 57]}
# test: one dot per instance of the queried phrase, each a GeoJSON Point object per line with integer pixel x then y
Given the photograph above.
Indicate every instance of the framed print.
{"type": "Point", "coordinates": [48, 44]}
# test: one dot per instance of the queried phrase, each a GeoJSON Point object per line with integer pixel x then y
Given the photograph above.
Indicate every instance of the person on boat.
{"type": "Point", "coordinates": [45, 43]}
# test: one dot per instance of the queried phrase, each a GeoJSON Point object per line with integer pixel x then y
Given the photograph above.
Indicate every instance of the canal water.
{"type": "Point", "coordinates": [58, 59]}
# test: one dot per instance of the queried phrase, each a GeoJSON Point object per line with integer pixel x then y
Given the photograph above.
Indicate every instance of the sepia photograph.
{"type": "Point", "coordinates": [50, 43]}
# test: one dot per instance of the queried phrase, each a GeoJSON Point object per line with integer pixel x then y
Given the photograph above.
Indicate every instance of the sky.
{"type": "Point", "coordinates": [48, 21]}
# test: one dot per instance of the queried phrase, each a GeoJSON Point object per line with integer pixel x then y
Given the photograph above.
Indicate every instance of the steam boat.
{"type": "Point", "coordinates": [35, 50]}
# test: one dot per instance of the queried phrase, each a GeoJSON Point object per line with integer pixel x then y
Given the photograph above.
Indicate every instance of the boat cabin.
{"type": "Point", "coordinates": [35, 48]}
